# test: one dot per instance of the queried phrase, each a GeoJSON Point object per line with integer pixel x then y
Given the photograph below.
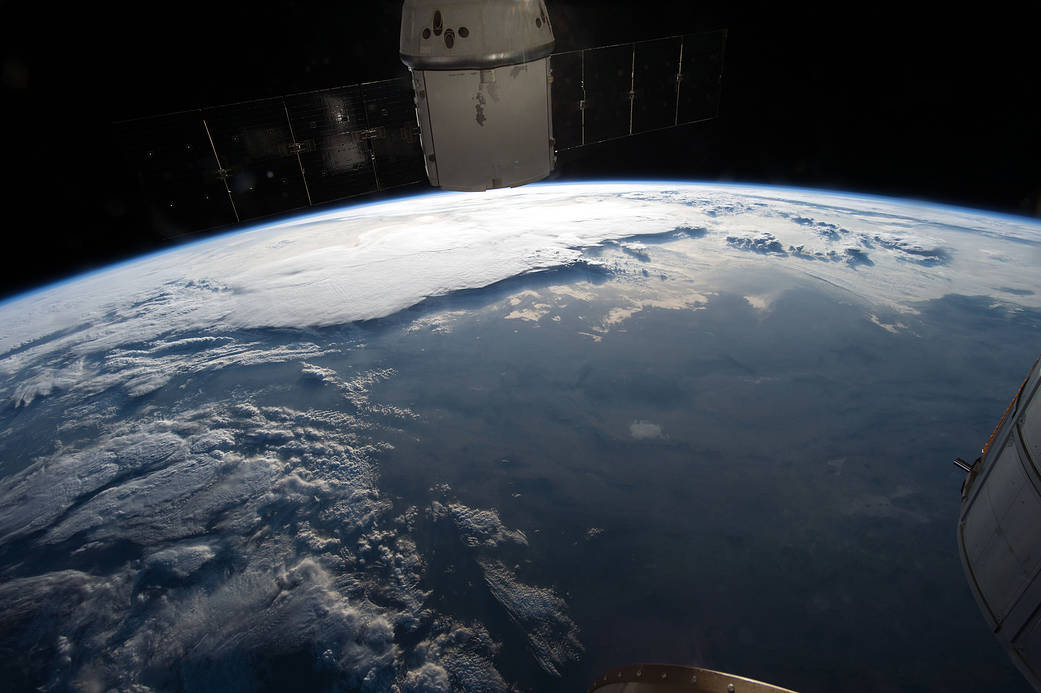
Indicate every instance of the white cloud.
{"type": "Point", "coordinates": [266, 534]}
{"type": "Point", "coordinates": [371, 261]}
{"type": "Point", "coordinates": [642, 430]}
{"type": "Point", "coordinates": [270, 518]}
{"type": "Point", "coordinates": [478, 527]}
{"type": "Point", "coordinates": [464, 651]}
{"type": "Point", "coordinates": [181, 560]}
{"type": "Point", "coordinates": [540, 613]}
{"type": "Point", "coordinates": [44, 381]}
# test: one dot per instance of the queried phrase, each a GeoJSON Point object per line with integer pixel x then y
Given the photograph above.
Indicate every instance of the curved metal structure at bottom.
{"type": "Point", "coordinates": [999, 531]}
{"type": "Point", "coordinates": [671, 678]}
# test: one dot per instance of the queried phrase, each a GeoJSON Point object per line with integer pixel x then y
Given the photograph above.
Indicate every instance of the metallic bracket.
{"type": "Point", "coordinates": [296, 148]}
{"type": "Point", "coordinates": [632, 89]}
{"type": "Point", "coordinates": [377, 133]}
{"type": "Point", "coordinates": [222, 172]}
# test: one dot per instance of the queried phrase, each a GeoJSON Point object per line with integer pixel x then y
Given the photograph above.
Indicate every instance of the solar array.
{"type": "Point", "coordinates": [602, 94]}
{"type": "Point", "coordinates": [215, 166]}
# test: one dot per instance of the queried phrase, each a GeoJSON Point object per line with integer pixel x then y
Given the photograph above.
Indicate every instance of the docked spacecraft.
{"type": "Point", "coordinates": [481, 79]}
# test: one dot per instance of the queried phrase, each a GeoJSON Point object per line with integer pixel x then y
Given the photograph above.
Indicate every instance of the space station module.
{"type": "Point", "coordinates": [999, 529]}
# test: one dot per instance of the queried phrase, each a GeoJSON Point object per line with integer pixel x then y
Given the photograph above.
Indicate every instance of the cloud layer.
{"type": "Point", "coordinates": [162, 546]}
{"type": "Point", "coordinates": [209, 543]}
{"type": "Point", "coordinates": [371, 261]}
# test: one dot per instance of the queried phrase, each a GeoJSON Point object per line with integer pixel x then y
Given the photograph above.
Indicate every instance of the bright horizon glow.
{"type": "Point", "coordinates": [375, 260]}
{"type": "Point", "coordinates": [337, 212]}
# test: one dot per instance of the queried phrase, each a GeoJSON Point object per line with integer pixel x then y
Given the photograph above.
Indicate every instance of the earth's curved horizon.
{"type": "Point", "coordinates": [511, 439]}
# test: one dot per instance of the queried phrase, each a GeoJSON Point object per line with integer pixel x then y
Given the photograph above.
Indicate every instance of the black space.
{"type": "Point", "coordinates": [938, 103]}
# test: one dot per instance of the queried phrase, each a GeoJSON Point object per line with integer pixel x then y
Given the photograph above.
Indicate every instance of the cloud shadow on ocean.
{"type": "Point", "coordinates": [477, 298]}
{"type": "Point", "coordinates": [678, 233]}
{"type": "Point", "coordinates": [1015, 292]}
{"type": "Point", "coordinates": [634, 246]}
{"type": "Point", "coordinates": [913, 252]}
{"type": "Point", "coordinates": [469, 299]}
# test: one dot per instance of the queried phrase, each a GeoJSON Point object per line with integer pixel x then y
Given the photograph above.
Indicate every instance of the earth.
{"type": "Point", "coordinates": [508, 440]}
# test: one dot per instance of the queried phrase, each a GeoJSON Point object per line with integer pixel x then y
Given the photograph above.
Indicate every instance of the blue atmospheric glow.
{"type": "Point", "coordinates": [249, 227]}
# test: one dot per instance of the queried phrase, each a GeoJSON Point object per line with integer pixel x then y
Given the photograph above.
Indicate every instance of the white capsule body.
{"type": "Point", "coordinates": [481, 75]}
